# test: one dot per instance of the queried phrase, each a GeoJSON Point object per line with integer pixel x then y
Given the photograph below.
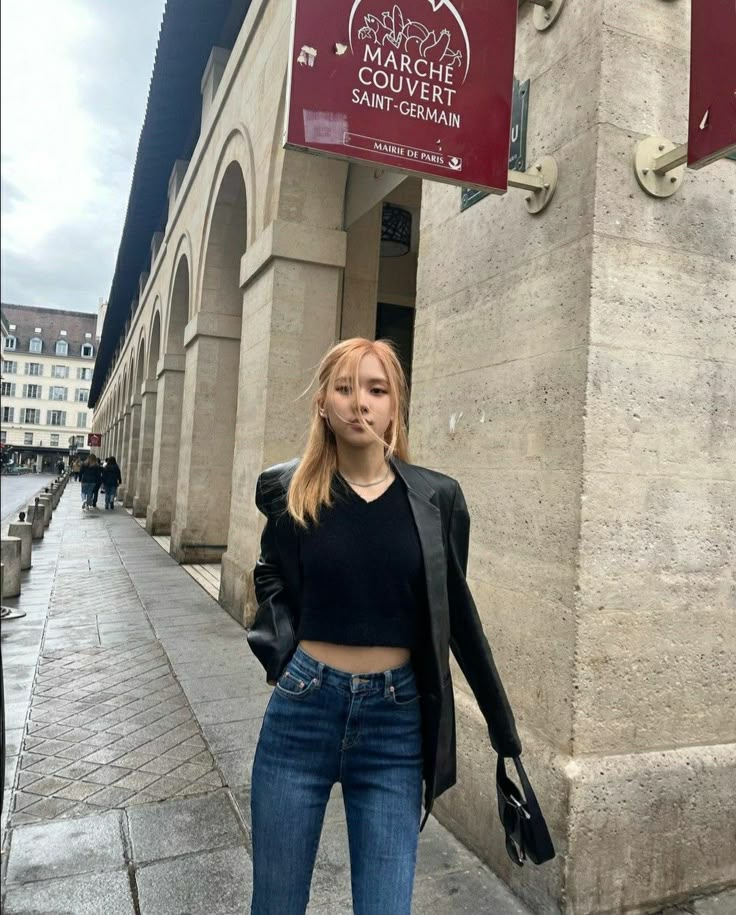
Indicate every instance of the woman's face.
{"type": "Point", "coordinates": [374, 404]}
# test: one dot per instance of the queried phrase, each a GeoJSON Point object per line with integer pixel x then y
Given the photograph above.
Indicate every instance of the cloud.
{"type": "Point", "coordinates": [74, 85]}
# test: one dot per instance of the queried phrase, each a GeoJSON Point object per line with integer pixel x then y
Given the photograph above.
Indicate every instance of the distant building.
{"type": "Point", "coordinates": [48, 358]}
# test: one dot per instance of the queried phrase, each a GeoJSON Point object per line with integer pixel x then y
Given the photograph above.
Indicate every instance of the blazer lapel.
{"type": "Point", "coordinates": [428, 520]}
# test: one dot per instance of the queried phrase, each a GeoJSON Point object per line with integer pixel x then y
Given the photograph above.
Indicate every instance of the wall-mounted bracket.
{"type": "Point", "coordinates": [660, 166]}
{"type": "Point", "coordinates": [540, 181]}
{"type": "Point", "coordinates": [546, 13]}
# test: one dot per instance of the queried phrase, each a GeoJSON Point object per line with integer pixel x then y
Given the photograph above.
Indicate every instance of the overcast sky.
{"type": "Point", "coordinates": [75, 77]}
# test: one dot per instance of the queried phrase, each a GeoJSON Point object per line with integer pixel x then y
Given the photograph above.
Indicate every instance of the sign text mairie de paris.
{"type": "Point", "coordinates": [420, 86]}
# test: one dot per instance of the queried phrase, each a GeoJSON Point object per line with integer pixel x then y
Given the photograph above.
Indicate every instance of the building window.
{"type": "Point", "coordinates": [27, 438]}
{"type": "Point", "coordinates": [58, 393]}
{"type": "Point", "coordinates": [32, 390]}
{"type": "Point", "coordinates": [30, 416]}
{"type": "Point", "coordinates": [84, 374]}
{"type": "Point", "coordinates": [82, 395]}
{"type": "Point", "coordinates": [59, 371]}
{"type": "Point", "coordinates": [11, 342]}
{"type": "Point", "coordinates": [34, 368]}
{"type": "Point", "coordinates": [8, 389]}
{"type": "Point", "coordinates": [9, 367]}
{"type": "Point", "coordinates": [36, 345]}
{"type": "Point", "coordinates": [88, 350]}
{"type": "Point", "coordinates": [3, 436]}
{"type": "Point", "coordinates": [62, 348]}
{"type": "Point", "coordinates": [8, 414]}
{"type": "Point", "coordinates": [82, 420]}
{"type": "Point", "coordinates": [54, 439]}
{"type": "Point", "coordinates": [56, 418]}
{"type": "Point", "coordinates": [78, 440]}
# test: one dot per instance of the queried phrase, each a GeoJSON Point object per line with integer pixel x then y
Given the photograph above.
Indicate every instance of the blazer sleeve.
{"type": "Point", "coordinates": [468, 640]}
{"type": "Point", "coordinates": [272, 636]}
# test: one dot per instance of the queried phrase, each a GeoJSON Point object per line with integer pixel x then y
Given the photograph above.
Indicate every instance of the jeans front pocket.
{"type": "Point", "coordinates": [294, 685]}
{"type": "Point", "coordinates": [404, 693]}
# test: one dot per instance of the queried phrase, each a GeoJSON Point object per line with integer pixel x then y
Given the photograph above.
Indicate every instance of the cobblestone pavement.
{"type": "Point", "coordinates": [133, 705]}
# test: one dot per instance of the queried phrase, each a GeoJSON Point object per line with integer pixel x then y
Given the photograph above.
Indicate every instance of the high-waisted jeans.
{"type": "Point", "coordinates": [322, 726]}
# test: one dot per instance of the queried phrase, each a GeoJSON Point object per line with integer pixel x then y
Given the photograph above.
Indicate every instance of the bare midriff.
{"type": "Point", "coordinates": [356, 659]}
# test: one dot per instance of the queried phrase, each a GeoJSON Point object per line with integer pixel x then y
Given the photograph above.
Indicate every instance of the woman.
{"type": "Point", "coordinates": [89, 476]}
{"type": "Point", "coordinates": [111, 479]}
{"type": "Point", "coordinates": [361, 591]}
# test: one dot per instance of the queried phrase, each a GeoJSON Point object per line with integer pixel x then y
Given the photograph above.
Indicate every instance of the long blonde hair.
{"type": "Point", "coordinates": [310, 485]}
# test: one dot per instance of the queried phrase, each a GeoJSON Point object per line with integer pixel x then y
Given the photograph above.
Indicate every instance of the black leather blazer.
{"type": "Point", "coordinates": [443, 525]}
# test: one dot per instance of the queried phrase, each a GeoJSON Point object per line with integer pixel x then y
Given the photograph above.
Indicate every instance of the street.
{"type": "Point", "coordinates": [16, 492]}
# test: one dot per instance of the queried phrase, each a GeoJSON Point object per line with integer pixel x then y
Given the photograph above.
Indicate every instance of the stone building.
{"type": "Point", "coordinates": [573, 370]}
{"type": "Point", "coordinates": [48, 358]}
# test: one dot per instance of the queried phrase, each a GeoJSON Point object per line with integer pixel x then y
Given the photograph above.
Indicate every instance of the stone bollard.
{"type": "Point", "coordinates": [23, 531]}
{"type": "Point", "coordinates": [35, 515]}
{"type": "Point", "coordinates": [45, 502]}
{"type": "Point", "coordinates": [10, 551]}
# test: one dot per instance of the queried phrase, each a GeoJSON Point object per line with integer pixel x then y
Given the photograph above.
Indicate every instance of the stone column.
{"type": "Point", "coordinates": [292, 279]}
{"type": "Point", "coordinates": [145, 448]}
{"type": "Point", "coordinates": [200, 526]}
{"type": "Point", "coordinates": [132, 451]}
{"type": "Point", "coordinates": [166, 448]}
{"type": "Point", "coordinates": [124, 459]}
{"type": "Point", "coordinates": [23, 530]}
{"type": "Point", "coordinates": [10, 552]}
{"type": "Point", "coordinates": [574, 371]}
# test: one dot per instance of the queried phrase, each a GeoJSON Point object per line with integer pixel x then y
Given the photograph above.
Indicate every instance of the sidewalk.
{"type": "Point", "coordinates": [133, 705]}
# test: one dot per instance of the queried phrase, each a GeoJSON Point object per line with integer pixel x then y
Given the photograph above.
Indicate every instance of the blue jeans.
{"type": "Point", "coordinates": [88, 492]}
{"type": "Point", "coordinates": [110, 493]}
{"type": "Point", "coordinates": [322, 726]}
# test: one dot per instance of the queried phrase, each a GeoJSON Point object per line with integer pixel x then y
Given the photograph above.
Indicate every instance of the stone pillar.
{"type": "Point", "coordinates": [132, 449]}
{"type": "Point", "coordinates": [574, 371]}
{"type": "Point", "coordinates": [166, 448]}
{"type": "Point", "coordinates": [23, 530]}
{"type": "Point", "coordinates": [145, 448]}
{"type": "Point", "coordinates": [360, 284]}
{"type": "Point", "coordinates": [292, 278]}
{"type": "Point", "coordinates": [35, 515]}
{"type": "Point", "coordinates": [124, 459]}
{"type": "Point", "coordinates": [200, 526]}
{"type": "Point", "coordinates": [10, 552]}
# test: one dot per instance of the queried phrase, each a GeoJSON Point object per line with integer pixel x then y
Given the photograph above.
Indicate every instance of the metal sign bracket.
{"type": "Point", "coordinates": [660, 166]}
{"type": "Point", "coordinates": [541, 182]}
{"type": "Point", "coordinates": [546, 13]}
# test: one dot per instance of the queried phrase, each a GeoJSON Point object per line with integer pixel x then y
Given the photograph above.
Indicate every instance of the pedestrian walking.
{"type": "Point", "coordinates": [76, 468]}
{"type": "Point", "coordinates": [111, 479]}
{"type": "Point", "coordinates": [89, 476]}
{"type": "Point", "coordinates": [361, 592]}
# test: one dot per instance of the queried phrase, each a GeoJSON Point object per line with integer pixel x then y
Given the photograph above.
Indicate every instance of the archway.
{"type": "Point", "coordinates": [212, 357]}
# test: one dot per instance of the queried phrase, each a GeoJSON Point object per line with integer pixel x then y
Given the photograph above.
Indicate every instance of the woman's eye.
{"type": "Point", "coordinates": [378, 391]}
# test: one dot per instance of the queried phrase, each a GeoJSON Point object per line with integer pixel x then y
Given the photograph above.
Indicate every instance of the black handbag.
{"type": "Point", "coordinates": [527, 835]}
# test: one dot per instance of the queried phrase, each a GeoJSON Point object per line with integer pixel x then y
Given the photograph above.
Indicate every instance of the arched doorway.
{"type": "Point", "coordinates": [212, 358]}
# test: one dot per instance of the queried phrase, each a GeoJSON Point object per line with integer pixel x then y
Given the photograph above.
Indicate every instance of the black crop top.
{"type": "Point", "coordinates": [363, 571]}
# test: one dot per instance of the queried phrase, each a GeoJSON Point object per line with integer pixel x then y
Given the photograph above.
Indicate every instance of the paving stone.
{"type": "Point", "coordinates": [48, 807]}
{"type": "Point", "coordinates": [113, 796]}
{"type": "Point", "coordinates": [458, 893]}
{"type": "Point", "coordinates": [45, 765]}
{"type": "Point", "coordinates": [78, 769]}
{"type": "Point", "coordinates": [189, 772]}
{"type": "Point", "coordinates": [49, 747]}
{"type": "Point", "coordinates": [218, 883]}
{"type": "Point", "coordinates": [79, 895]}
{"type": "Point", "coordinates": [105, 755]}
{"type": "Point", "coordinates": [183, 826]}
{"type": "Point", "coordinates": [165, 787]}
{"type": "Point", "coordinates": [26, 778]}
{"type": "Point", "coordinates": [137, 781]}
{"type": "Point", "coordinates": [66, 847]}
{"type": "Point", "coordinates": [135, 759]}
{"type": "Point", "coordinates": [48, 785]}
{"type": "Point", "coordinates": [720, 904]}
{"type": "Point", "coordinates": [78, 791]}
{"type": "Point", "coordinates": [77, 751]}
{"type": "Point", "coordinates": [23, 799]}
{"type": "Point", "coordinates": [107, 775]}
{"type": "Point", "coordinates": [160, 765]}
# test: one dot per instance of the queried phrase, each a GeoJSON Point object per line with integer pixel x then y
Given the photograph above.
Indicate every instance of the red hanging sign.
{"type": "Point", "coordinates": [94, 440]}
{"type": "Point", "coordinates": [712, 124]}
{"type": "Point", "coordinates": [419, 86]}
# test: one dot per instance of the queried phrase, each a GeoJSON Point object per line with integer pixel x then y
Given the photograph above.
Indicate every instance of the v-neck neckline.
{"type": "Point", "coordinates": [359, 497]}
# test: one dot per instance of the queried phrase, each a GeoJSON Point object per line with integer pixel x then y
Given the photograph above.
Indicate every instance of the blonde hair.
{"type": "Point", "coordinates": [310, 487]}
